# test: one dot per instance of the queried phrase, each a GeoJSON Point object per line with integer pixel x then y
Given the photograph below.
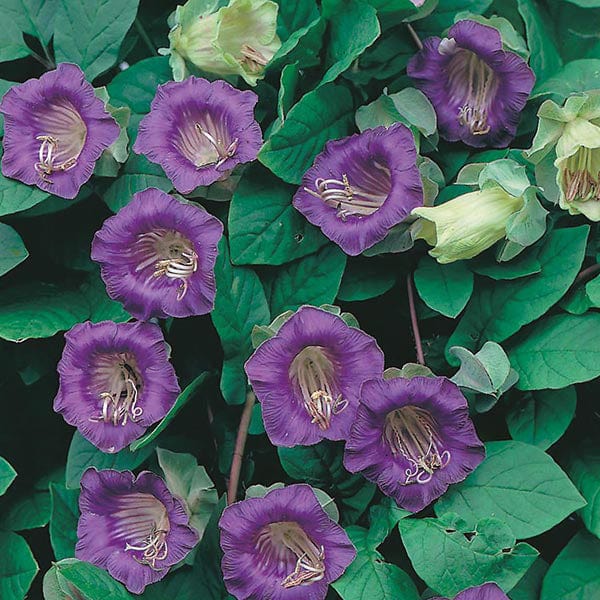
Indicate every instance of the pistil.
{"type": "Point", "coordinates": [339, 194]}
{"type": "Point", "coordinates": [579, 181]}
{"type": "Point", "coordinates": [154, 547]}
{"type": "Point", "coordinates": [412, 432]}
{"type": "Point", "coordinates": [254, 59]}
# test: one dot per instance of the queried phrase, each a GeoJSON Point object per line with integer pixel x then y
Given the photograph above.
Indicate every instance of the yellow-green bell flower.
{"type": "Point", "coordinates": [237, 39]}
{"type": "Point", "coordinates": [571, 134]}
{"type": "Point", "coordinates": [467, 225]}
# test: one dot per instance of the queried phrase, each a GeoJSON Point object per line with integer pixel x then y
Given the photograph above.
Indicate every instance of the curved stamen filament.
{"type": "Point", "coordinates": [171, 255]}
{"type": "Point", "coordinates": [579, 182]}
{"type": "Point", "coordinates": [47, 156]}
{"type": "Point", "coordinates": [314, 374]}
{"type": "Point", "coordinates": [472, 81]}
{"type": "Point", "coordinates": [254, 59]}
{"type": "Point", "coordinates": [120, 403]}
{"type": "Point", "coordinates": [341, 195]}
{"type": "Point", "coordinates": [217, 143]}
{"type": "Point", "coordinates": [412, 432]}
{"type": "Point", "coordinates": [154, 547]}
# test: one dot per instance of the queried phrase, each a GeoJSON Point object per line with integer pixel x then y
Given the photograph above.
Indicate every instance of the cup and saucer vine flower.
{"type": "Point", "coordinates": [413, 438]}
{"type": "Point", "coordinates": [570, 137]}
{"type": "Point", "coordinates": [487, 591]}
{"type": "Point", "coordinates": [157, 256]}
{"type": "Point", "coordinates": [359, 187]}
{"type": "Point", "coordinates": [115, 380]}
{"type": "Point", "coordinates": [307, 377]}
{"type": "Point", "coordinates": [477, 88]}
{"type": "Point", "coordinates": [55, 129]}
{"type": "Point", "coordinates": [504, 206]}
{"type": "Point", "coordinates": [282, 546]}
{"type": "Point", "coordinates": [237, 39]}
{"type": "Point", "coordinates": [198, 131]}
{"type": "Point", "coordinates": [133, 527]}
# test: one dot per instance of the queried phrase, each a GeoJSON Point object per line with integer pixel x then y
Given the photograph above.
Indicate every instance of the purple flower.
{"type": "Point", "coordinates": [361, 186]}
{"type": "Point", "coordinates": [487, 591]}
{"type": "Point", "coordinates": [115, 380]}
{"type": "Point", "coordinates": [198, 130]}
{"type": "Point", "coordinates": [413, 438]}
{"type": "Point", "coordinates": [308, 375]}
{"type": "Point", "coordinates": [55, 129]}
{"type": "Point", "coordinates": [282, 547]}
{"type": "Point", "coordinates": [157, 256]}
{"type": "Point", "coordinates": [133, 527]}
{"type": "Point", "coordinates": [478, 89]}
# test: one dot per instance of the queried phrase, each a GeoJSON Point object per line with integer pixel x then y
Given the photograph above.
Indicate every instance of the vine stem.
{"type": "Point", "coordinates": [587, 274]}
{"type": "Point", "coordinates": [415, 36]}
{"type": "Point", "coordinates": [145, 37]}
{"type": "Point", "coordinates": [240, 444]}
{"type": "Point", "coordinates": [414, 321]}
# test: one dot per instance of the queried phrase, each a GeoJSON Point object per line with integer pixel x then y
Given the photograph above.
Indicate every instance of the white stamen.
{"type": "Point", "coordinates": [222, 152]}
{"type": "Point", "coordinates": [47, 163]}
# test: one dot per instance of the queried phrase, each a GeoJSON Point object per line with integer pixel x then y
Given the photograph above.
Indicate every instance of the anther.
{"type": "Point", "coordinates": [154, 548]}
{"type": "Point", "coordinates": [254, 59]}
{"type": "Point", "coordinates": [46, 165]}
{"type": "Point", "coordinates": [217, 143]}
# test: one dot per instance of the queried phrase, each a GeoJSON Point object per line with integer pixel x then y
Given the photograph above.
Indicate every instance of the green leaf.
{"type": "Point", "coordinates": [444, 288]}
{"type": "Point", "coordinates": [369, 576]}
{"type": "Point", "coordinates": [379, 112]}
{"type": "Point", "coordinates": [63, 520]}
{"type": "Point", "coordinates": [364, 279]}
{"type": "Point", "coordinates": [314, 280]}
{"type": "Point", "coordinates": [28, 512]}
{"type": "Point", "coordinates": [190, 482]}
{"type": "Point", "coordinates": [181, 401]}
{"type": "Point", "coordinates": [82, 455]}
{"type": "Point", "coordinates": [498, 310]}
{"type": "Point", "coordinates": [90, 32]}
{"type": "Point", "coordinates": [353, 28]}
{"type": "Point", "coordinates": [583, 467]}
{"type": "Point", "coordinates": [38, 310]}
{"type": "Point", "coordinates": [264, 227]}
{"type": "Point", "coordinates": [415, 109]}
{"type": "Point", "coordinates": [575, 573]}
{"type": "Point", "coordinates": [122, 189]}
{"type": "Point", "coordinates": [530, 586]}
{"type": "Point", "coordinates": [35, 17]}
{"type": "Point", "coordinates": [17, 566]}
{"type": "Point", "coordinates": [450, 561]}
{"type": "Point", "coordinates": [321, 466]}
{"type": "Point", "coordinates": [12, 44]}
{"type": "Point", "coordinates": [12, 249]}
{"type": "Point", "coordinates": [136, 86]}
{"type": "Point", "coordinates": [16, 196]}
{"type": "Point", "coordinates": [558, 351]}
{"type": "Point", "coordinates": [87, 581]}
{"type": "Point", "coordinates": [240, 304]}
{"type": "Point", "coordinates": [487, 372]}
{"type": "Point", "coordinates": [523, 266]}
{"type": "Point", "coordinates": [545, 59]}
{"type": "Point", "coordinates": [540, 418]}
{"type": "Point", "coordinates": [575, 77]}
{"type": "Point", "coordinates": [7, 475]}
{"type": "Point", "coordinates": [443, 16]}
{"type": "Point", "coordinates": [323, 114]}
{"type": "Point", "coordinates": [517, 483]}
{"type": "Point", "coordinates": [4, 87]}
{"type": "Point", "coordinates": [292, 16]}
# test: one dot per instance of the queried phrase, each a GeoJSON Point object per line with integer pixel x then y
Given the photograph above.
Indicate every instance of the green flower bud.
{"type": "Point", "coordinates": [467, 225]}
{"type": "Point", "coordinates": [571, 135]}
{"type": "Point", "coordinates": [238, 39]}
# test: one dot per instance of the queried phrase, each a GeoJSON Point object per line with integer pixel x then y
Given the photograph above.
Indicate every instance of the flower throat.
{"type": "Point", "coordinates": [472, 82]}
{"type": "Point", "coordinates": [314, 373]}
{"type": "Point", "coordinates": [581, 178]}
{"type": "Point", "coordinates": [412, 432]}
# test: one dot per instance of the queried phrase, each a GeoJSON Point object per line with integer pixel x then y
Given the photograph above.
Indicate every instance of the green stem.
{"type": "Point", "coordinates": [145, 37]}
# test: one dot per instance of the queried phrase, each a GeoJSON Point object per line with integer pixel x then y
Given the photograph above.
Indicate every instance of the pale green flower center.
{"type": "Point", "coordinates": [581, 176]}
